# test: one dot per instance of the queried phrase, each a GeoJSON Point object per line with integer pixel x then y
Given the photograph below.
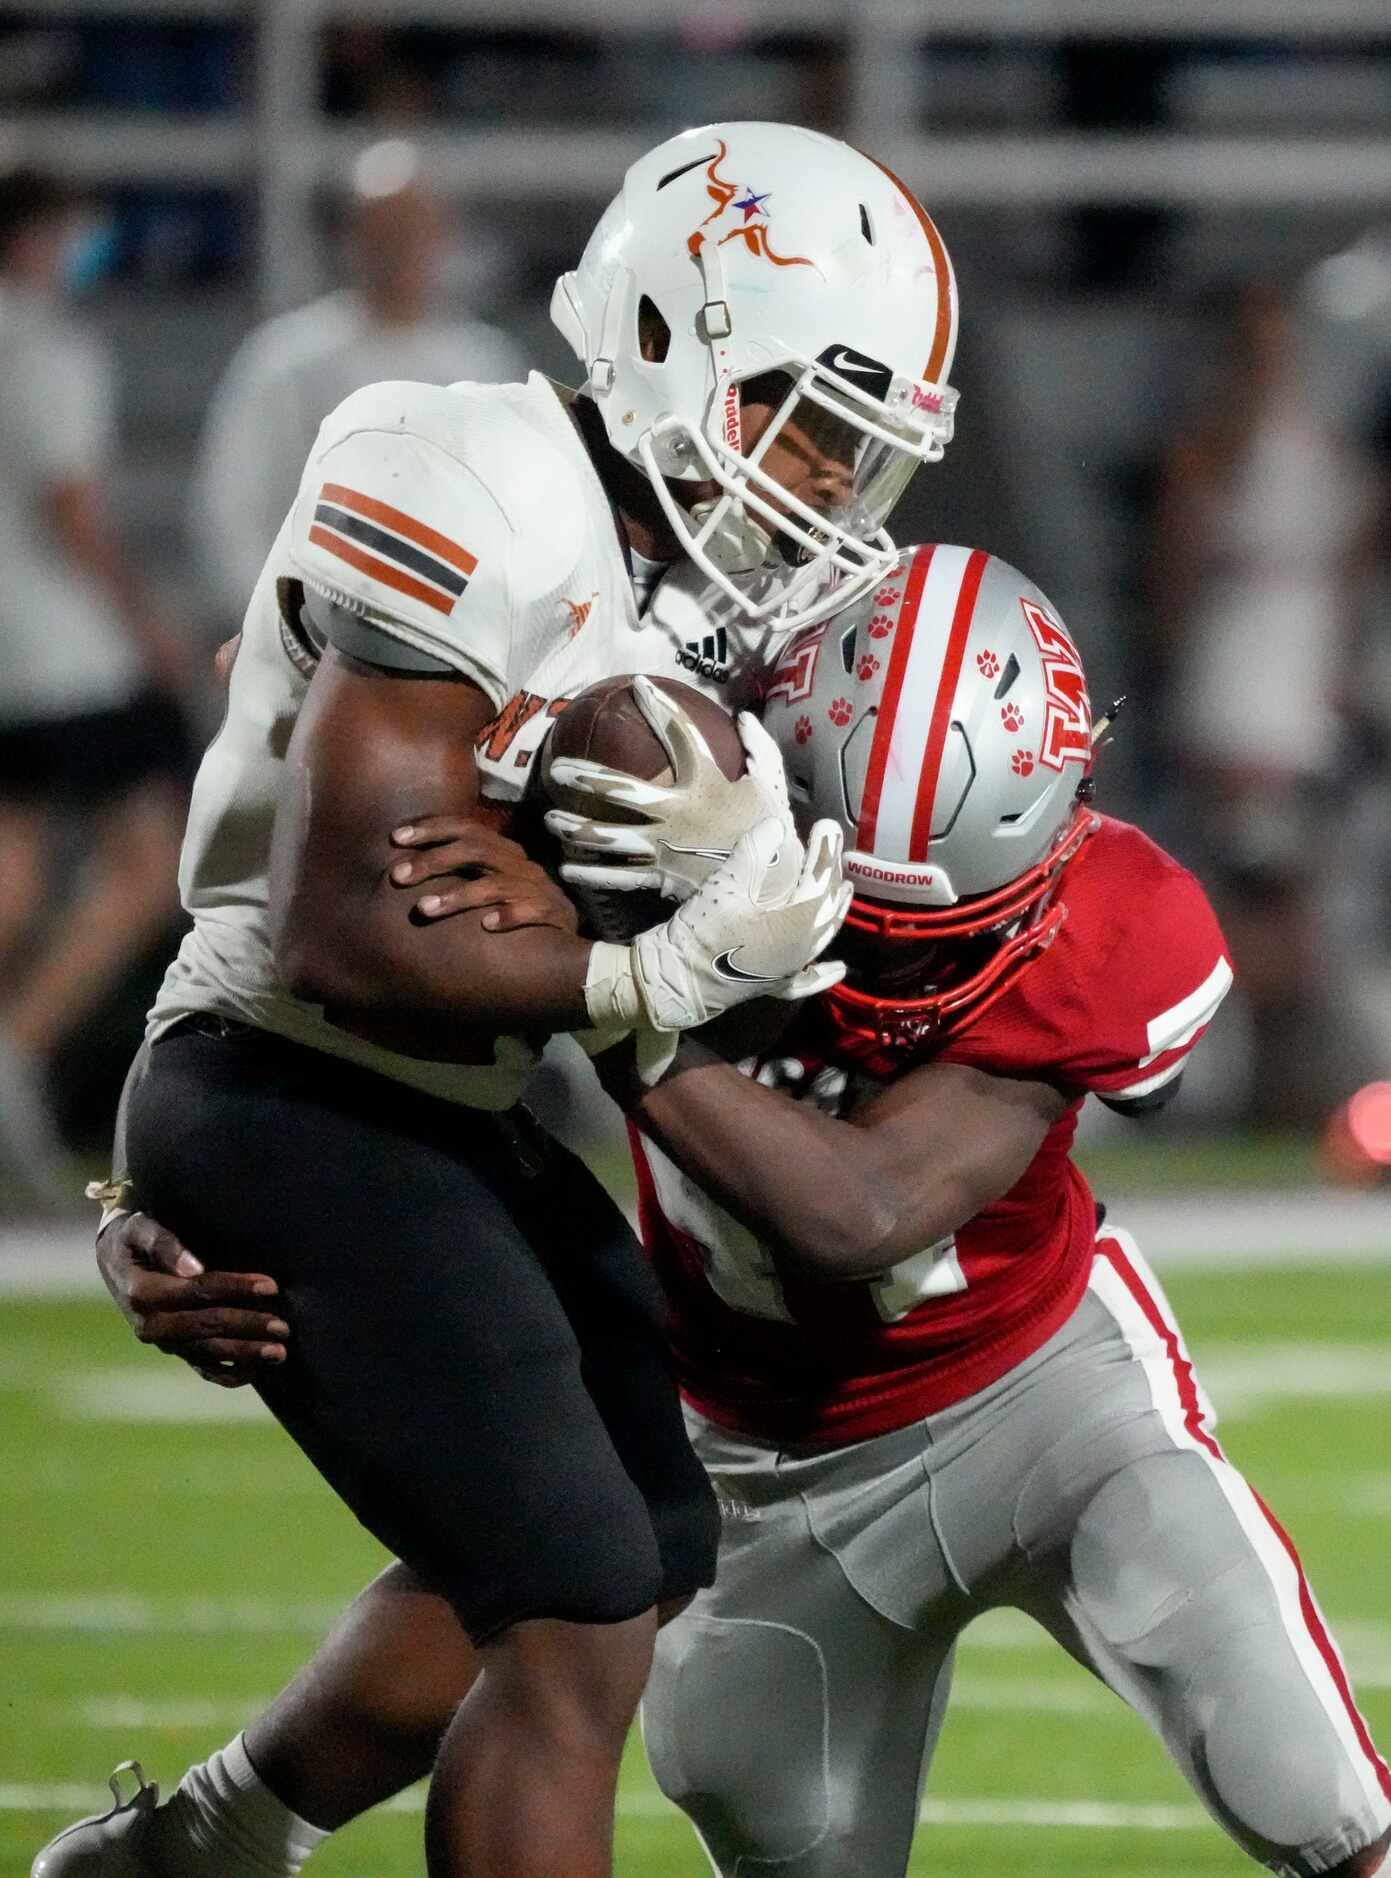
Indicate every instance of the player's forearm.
{"type": "Point", "coordinates": [815, 1189]}
{"type": "Point", "coordinates": [434, 986]}
{"type": "Point", "coordinates": [371, 753]}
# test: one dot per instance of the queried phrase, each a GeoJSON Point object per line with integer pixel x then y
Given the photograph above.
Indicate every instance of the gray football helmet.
{"type": "Point", "coordinates": [944, 721]}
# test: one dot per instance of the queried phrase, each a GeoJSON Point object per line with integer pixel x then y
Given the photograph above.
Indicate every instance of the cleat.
{"type": "Point", "coordinates": [106, 1845]}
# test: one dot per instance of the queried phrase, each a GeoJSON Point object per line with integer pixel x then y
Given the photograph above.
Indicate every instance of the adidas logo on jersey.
{"type": "Point", "coordinates": [708, 657]}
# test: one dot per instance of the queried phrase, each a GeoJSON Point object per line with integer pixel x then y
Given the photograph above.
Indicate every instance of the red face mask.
{"type": "Point", "coordinates": [957, 979]}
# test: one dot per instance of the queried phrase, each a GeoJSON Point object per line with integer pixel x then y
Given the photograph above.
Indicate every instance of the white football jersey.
{"type": "Point", "coordinates": [468, 525]}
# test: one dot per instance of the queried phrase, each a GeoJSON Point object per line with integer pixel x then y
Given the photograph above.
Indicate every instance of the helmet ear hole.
{"type": "Point", "coordinates": [654, 335]}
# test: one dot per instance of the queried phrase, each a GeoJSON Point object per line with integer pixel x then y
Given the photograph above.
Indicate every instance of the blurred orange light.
{"type": "Point", "coordinates": [1369, 1122]}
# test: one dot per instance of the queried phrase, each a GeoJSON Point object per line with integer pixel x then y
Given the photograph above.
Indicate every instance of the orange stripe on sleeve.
{"type": "Point", "coordinates": [383, 571]}
{"type": "Point", "coordinates": [404, 524]}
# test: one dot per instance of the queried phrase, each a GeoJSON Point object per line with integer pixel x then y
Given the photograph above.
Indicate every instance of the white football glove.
{"type": "Point", "coordinates": [752, 930]}
{"type": "Point", "coordinates": [695, 819]}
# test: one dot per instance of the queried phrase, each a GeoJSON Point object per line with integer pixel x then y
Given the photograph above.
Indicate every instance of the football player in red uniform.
{"type": "Point", "coordinates": [927, 1376]}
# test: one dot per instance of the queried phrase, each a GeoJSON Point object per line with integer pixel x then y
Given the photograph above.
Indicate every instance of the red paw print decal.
{"type": "Point", "coordinates": [888, 596]}
{"type": "Point", "coordinates": [1011, 717]}
{"type": "Point", "coordinates": [880, 626]}
{"type": "Point", "coordinates": [867, 667]}
{"type": "Point", "coordinates": [801, 730]}
{"type": "Point", "coordinates": [989, 664]}
{"type": "Point", "coordinates": [1022, 763]}
{"type": "Point", "coordinates": [840, 711]}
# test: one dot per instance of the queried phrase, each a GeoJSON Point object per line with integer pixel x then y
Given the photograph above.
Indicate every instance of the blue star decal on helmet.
{"type": "Point", "coordinates": [752, 204]}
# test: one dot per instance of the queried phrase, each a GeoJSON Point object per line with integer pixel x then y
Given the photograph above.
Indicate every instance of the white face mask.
{"type": "Point", "coordinates": [814, 555]}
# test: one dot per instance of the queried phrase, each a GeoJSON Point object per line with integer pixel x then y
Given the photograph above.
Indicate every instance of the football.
{"type": "Point", "coordinates": [605, 725]}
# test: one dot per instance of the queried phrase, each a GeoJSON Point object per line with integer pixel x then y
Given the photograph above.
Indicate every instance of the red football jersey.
{"type": "Point", "coordinates": [1113, 1007]}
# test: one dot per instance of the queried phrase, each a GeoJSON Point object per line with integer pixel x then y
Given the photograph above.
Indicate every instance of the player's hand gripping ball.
{"type": "Point", "coordinates": [651, 784]}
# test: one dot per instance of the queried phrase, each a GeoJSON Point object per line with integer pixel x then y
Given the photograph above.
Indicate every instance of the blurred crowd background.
{"type": "Point", "coordinates": [1172, 230]}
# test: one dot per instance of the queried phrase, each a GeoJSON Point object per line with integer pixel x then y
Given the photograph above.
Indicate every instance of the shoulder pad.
{"type": "Point", "coordinates": [1145, 1003]}
{"type": "Point", "coordinates": [411, 514]}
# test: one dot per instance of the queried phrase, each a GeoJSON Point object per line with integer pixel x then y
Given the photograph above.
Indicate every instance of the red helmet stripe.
{"type": "Point", "coordinates": [941, 710]}
{"type": "Point", "coordinates": [888, 703]}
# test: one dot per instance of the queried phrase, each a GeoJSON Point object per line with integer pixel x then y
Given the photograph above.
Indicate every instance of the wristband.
{"type": "Point", "coordinates": [115, 1197]}
{"type": "Point", "coordinates": [611, 994]}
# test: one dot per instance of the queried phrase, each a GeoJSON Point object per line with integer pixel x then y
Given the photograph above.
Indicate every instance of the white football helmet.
{"type": "Point", "coordinates": [764, 248]}
{"type": "Point", "coordinates": [944, 722]}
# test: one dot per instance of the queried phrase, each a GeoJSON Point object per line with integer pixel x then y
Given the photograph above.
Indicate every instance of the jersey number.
{"type": "Point", "coordinates": [745, 1277]}
{"type": "Point", "coordinates": [740, 1270]}
{"type": "Point", "coordinates": [934, 1272]}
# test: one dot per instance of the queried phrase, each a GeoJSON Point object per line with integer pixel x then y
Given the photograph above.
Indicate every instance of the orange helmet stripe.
{"type": "Point", "coordinates": [941, 334]}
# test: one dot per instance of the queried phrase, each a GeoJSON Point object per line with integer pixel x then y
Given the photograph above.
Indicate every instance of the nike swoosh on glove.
{"type": "Point", "coordinates": [694, 821]}
{"type": "Point", "coordinates": [753, 929]}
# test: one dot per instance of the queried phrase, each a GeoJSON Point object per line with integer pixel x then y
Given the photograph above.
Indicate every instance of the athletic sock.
{"type": "Point", "coordinates": [223, 1821]}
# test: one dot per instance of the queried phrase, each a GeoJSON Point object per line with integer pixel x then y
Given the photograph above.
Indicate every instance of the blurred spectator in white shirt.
{"type": "Point", "coordinates": [91, 737]}
{"type": "Point", "coordinates": [1264, 548]}
{"type": "Point", "coordinates": [289, 374]}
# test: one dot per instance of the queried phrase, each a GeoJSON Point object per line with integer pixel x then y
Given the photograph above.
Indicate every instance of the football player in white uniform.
{"type": "Point", "coordinates": [989, 1404]}
{"type": "Point", "coordinates": [766, 319]}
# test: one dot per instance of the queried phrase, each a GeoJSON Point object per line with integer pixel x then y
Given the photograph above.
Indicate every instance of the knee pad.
{"type": "Point", "coordinates": [1198, 1595]}
{"type": "Point", "coordinates": [735, 1721]}
{"type": "Point", "coordinates": [1156, 1542]}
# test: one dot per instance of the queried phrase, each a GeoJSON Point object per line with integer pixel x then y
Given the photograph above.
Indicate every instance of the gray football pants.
{"type": "Point", "coordinates": [794, 1707]}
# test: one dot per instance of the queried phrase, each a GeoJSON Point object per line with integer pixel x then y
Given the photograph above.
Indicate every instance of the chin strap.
{"type": "Point", "coordinates": [717, 324]}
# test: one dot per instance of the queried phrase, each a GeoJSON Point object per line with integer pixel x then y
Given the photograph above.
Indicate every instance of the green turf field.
{"type": "Point", "coordinates": [161, 1573]}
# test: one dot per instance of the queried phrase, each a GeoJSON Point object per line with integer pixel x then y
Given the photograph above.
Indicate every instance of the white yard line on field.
{"type": "Point", "coordinates": [130, 1612]}
{"type": "Point", "coordinates": [1097, 1815]}
{"type": "Point", "coordinates": [1219, 1231]}
{"type": "Point", "coordinates": [1367, 1495]}
{"type": "Point", "coordinates": [169, 1392]}
{"type": "Point", "coordinates": [119, 1714]}
{"type": "Point", "coordinates": [1019, 1695]}
{"type": "Point", "coordinates": [1238, 1230]}
{"type": "Point", "coordinates": [1242, 1379]}
{"type": "Point", "coordinates": [1366, 1642]}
